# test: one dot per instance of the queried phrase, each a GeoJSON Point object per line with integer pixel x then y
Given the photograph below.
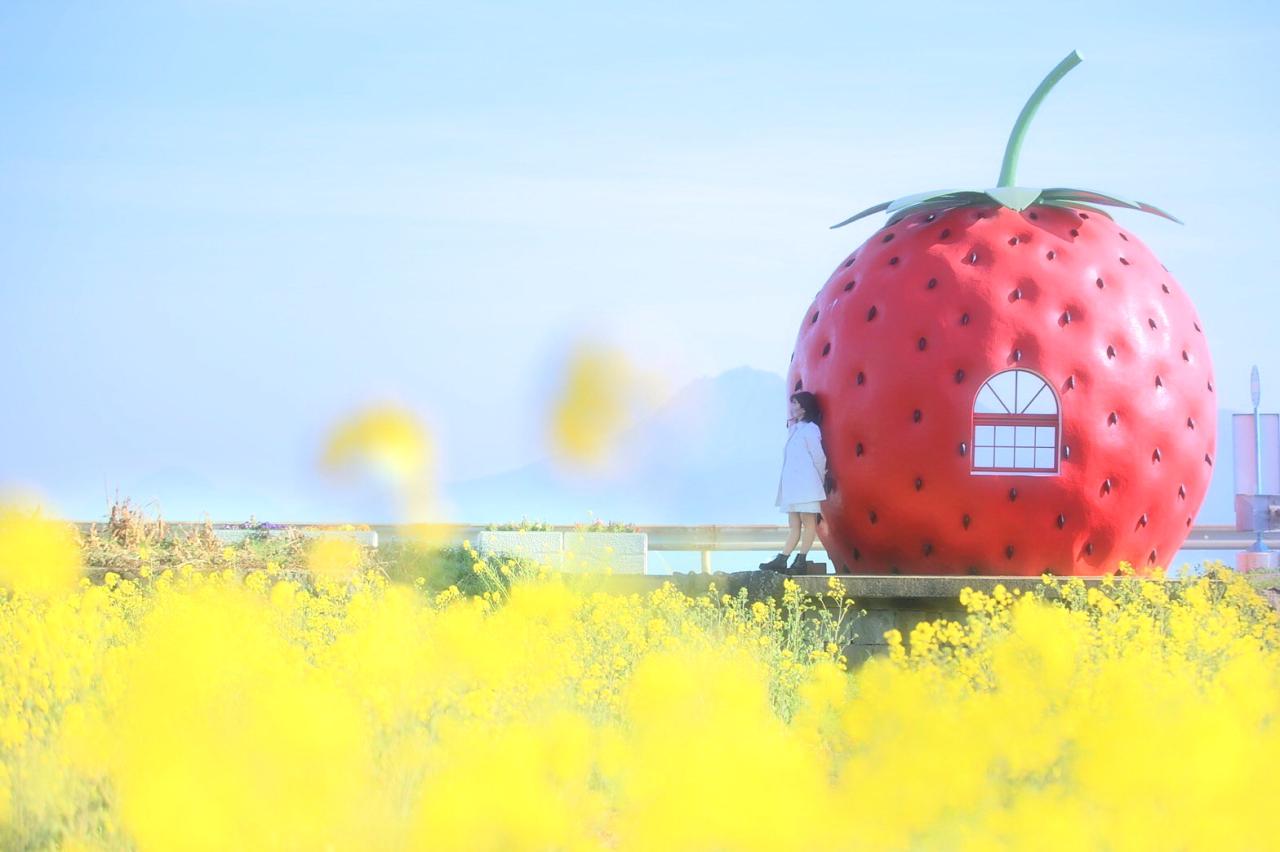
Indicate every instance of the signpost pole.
{"type": "Point", "coordinates": [1255, 393]}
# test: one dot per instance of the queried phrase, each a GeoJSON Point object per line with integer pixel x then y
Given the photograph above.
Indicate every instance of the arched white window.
{"type": "Point", "coordinates": [1016, 425]}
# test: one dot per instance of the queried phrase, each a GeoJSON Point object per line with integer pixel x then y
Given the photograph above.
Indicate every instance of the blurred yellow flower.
{"type": "Point", "coordinates": [387, 441]}
{"type": "Point", "coordinates": [38, 556]}
{"type": "Point", "coordinates": [597, 401]}
{"type": "Point", "coordinates": [209, 710]}
{"type": "Point", "coordinates": [333, 558]}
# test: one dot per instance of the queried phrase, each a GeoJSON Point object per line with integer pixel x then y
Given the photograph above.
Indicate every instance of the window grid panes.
{"type": "Point", "coordinates": [1015, 425]}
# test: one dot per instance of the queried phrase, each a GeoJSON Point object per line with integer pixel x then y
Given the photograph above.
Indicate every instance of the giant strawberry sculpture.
{"type": "Point", "coordinates": [1011, 383]}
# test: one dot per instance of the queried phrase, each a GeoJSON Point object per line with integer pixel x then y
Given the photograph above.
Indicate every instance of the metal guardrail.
{"type": "Point", "coordinates": [704, 539]}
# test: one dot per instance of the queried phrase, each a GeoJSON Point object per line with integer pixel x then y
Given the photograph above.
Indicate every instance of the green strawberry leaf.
{"type": "Point", "coordinates": [951, 197]}
{"type": "Point", "coordinates": [929, 207]}
{"type": "Point", "coordinates": [922, 197]}
{"type": "Point", "coordinates": [1089, 197]}
{"type": "Point", "coordinates": [1095, 198]}
{"type": "Point", "coordinates": [1014, 197]}
{"type": "Point", "coordinates": [1075, 205]}
{"type": "Point", "coordinates": [855, 217]}
{"type": "Point", "coordinates": [1151, 208]}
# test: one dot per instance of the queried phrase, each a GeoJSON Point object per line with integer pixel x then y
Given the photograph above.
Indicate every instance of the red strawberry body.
{"type": "Point", "coordinates": [905, 333]}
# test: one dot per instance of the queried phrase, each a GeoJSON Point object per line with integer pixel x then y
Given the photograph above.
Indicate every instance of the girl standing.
{"type": "Point", "coordinates": [801, 489]}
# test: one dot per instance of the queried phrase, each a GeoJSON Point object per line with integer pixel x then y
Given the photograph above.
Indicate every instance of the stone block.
{"type": "Point", "coordinates": [606, 552]}
{"type": "Point", "coordinates": [872, 626]}
{"type": "Point", "coordinates": [543, 547]}
{"type": "Point", "coordinates": [859, 654]}
{"type": "Point", "coordinates": [906, 620]}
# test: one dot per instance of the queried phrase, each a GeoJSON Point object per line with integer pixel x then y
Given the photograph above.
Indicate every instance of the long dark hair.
{"type": "Point", "coordinates": [809, 403]}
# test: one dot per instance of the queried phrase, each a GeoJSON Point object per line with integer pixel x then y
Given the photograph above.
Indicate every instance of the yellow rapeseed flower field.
{"type": "Point", "coordinates": [255, 709]}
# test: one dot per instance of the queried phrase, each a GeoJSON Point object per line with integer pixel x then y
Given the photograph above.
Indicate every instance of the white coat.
{"type": "Point", "coordinates": [804, 466]}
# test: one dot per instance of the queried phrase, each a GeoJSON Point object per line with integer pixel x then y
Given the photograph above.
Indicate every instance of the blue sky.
{"type": "Point", "coordinates": [228, 223]}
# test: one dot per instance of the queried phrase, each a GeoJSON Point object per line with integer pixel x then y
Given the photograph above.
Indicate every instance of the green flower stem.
{"type": "Point", "coordinates": [1009, 166]}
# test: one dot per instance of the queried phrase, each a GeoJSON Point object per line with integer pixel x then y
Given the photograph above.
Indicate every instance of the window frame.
{"type": "Point", "coordinates": [1014, 419]}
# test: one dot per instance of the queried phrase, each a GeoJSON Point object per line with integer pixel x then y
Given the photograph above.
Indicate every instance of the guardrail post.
{"type": "Point", "coordinates": [706, 562]}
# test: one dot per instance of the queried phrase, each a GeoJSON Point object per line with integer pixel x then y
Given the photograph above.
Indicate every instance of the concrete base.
{"type": "Point", "coordinates": [606, 553]}
{"type": "Point", "coordinates": [544, 547]}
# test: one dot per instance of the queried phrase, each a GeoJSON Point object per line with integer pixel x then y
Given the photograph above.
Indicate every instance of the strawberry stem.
{"type": "Point", "coordinates": [1009, 167]}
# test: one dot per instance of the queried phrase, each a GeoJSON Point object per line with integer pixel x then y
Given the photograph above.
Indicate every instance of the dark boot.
{"type": "Point", "coordinates": [777, 563]}
{"type": "Point", "coordinates": [799, 564]}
